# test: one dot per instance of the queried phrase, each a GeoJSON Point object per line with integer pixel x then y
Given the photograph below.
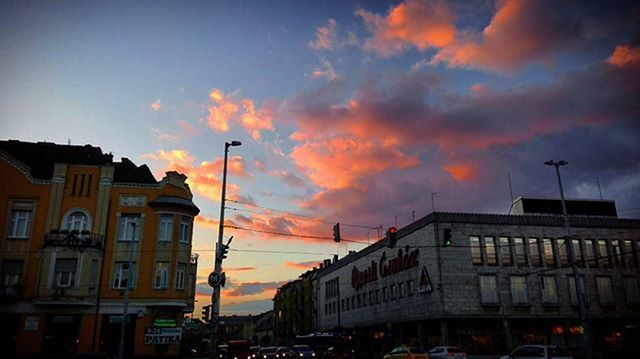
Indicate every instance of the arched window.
{"type": "Point", "coordinates": [77, 219]}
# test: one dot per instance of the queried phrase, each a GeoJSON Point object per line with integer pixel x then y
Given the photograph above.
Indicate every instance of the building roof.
{"type": "Point", "coordinates": [41, 158]}
{"type": "Point", "coordinates": [165, 201]}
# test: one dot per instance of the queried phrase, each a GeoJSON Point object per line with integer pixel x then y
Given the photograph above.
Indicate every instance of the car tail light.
{"type": "Point", "coordinates": [449, 354]}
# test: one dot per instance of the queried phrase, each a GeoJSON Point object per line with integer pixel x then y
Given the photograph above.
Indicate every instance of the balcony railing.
{"type": "Point", "coordinates": [10, 293]}
{"type": "Point", "coordinates": [73, 239]}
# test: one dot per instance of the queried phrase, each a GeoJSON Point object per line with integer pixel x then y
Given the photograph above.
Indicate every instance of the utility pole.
{"type": "Point", "coordinates": [125, 311]}
{"type": "Point", "coordinates": [583, 311]}
{"type": "Point", "coordinates": [215, 296]}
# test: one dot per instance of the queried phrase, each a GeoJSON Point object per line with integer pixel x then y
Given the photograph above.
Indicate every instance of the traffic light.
{"type": "Point", "coordinates": [224, 250]}
{"type": "Point", "coordinates": [336, 232]}
{"type": "Point", "coordinates": [391, 235]}
{"type": "Point", "coordinates": [447, 241]}
{"type": "Point", "coordinates": [206, 310]}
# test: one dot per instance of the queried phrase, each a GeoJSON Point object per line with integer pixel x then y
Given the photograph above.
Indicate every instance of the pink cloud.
{"type": "Point", "coordinates": [624, 55]}
{"type": "Point", "coordinates": [225, 109]}
{"type": "Point", "coordinates": [302, 265]}
{"type": "Point", "coordinates": [156, 105]}
{"type": "Point", "coordinates": [325, 36]}
{"type": "Point", "coordinates": [413, 23]}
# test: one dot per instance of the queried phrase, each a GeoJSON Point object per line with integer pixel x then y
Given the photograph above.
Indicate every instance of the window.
{"type": "Point", "coordinates": [385, 294]}
{"type": "Point", "coordinates": [548, 252]}
{"type": "Point", "coordinates": [77, 220]}
{"type": "Point", "coordinates": [65, 272]}
{"type": "Point", "coordinates": [181, 269]}
{"type": "Point", "coordinates": [521, 256]}
{"type": "Point", "coordinates": [562, 252]}
{"type": "Point", "coordinates": [505, 251]}
{"type": "Point", "coordinates": [165, 230]}
{"type": "Point", "coordinates": [348, 305]}
{"type": "Point", "coordinates": [605, 290]}
{"type": "Point", "coordinates": [603, 253]}
{"type": "Point", "coordinates": [401, 290]}
{"type": "Point", "coordinates": [392, 291]}
{"type": "Point", "coordinates": [161, 279]}
{"type": "Point", "coordinates": [534, 252]}
{"type": "Point", "coordinates": [410, 288]}
{"type": "Point", "coordinates": [185, 224]}
{"type": "Point", "coordinates": [630, 254]}
{"type": "Point", "coordinates": [519, 291]}
{"type": "Point", "coordinates": [631, 290]}
{"type": "Point", "coordinates": [476, 253]}
{"type": "Point", "coordinates": [121, 275]}
{"type": "Point", "coordinates": [490, 249]}
{"type": "Point", "coordinates": [577, 252]}
{"type": "Point", "coordinates": [589, 254]}
{"type": "Point", "coordinates": [359, 300]}
{"type": "Point", "coordinates": [572, 289]}
{"type": "Point", "coordinates": [616, 252]}
{"type": "Point", "coordinates": [20, 224]}
{"type": "Point", "coordinates": [11, 272]}
{"type": "Point", "coordinates": [372, 299]}
{"type": "Point", "coordinates": [353, 302]}
{"type": "Point", "coordinates": [129, 227]}
{"type": "Point", "coordinates": [488, 289]}
{"type": "Point", "coordinates": [549, 290]}
{"type": "Point", "coordinates": [377, 295]}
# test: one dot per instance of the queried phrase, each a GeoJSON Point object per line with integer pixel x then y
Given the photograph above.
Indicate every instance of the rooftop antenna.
{"type": "Point", "coordinates": [599, 188]}
{"type": "Point", "coordinates": [413, 215]}
{"type": "Point", "coordinates": [510, 192]}
{"type": "Point", "coordinates": [433, 203]}
{"type": "Point", "coordinates": [68, 142]}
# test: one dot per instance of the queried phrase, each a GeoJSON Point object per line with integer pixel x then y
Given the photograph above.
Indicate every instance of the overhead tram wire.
{"type": "Point", "coordinates": [287, 234]}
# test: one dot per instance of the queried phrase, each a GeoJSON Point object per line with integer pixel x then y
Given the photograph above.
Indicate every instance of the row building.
{"type": "Point", "coordinates": [489, 282]}
{"type": "Point", "coordinates": [78, 228]}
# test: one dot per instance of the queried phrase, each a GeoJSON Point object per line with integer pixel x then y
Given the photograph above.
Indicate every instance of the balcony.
{"type": "Point", "coordinates": [73, 239]}
{"type": "Point", "coordinates": [10, 293]}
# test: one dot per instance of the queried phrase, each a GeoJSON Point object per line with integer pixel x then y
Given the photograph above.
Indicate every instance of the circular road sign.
{"type": "Point", "coordinates": [215, 279]}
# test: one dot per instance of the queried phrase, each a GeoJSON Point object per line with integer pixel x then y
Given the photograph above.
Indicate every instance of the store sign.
{"type": "Point", "coordinates": [164, 323]}
{"type": "Point", "coordinates": [386, 267]}
{"type": "Point", "coordinates": [157, 336]}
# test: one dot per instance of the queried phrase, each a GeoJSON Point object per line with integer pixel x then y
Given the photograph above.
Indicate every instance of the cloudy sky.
{"type": "Point", "coordinates": [348, 111]}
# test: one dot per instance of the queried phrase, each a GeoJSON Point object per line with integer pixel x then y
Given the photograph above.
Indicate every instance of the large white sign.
{"type": "Point", "coordinates": [132, 200]}
{"type": "Point", "coordinates": [155, 336]}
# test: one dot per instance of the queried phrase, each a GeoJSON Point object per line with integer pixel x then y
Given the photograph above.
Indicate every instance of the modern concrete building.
{"type": "Point", "coordinates": [504, 280]}
{"type": "Point", "coordinates": [74, 224]}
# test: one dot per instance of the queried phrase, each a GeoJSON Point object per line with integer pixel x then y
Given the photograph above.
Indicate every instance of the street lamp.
{"type": "Point", "coordinates": [583, 312]}
{"type": "Point", "coordinates": [215, 296]}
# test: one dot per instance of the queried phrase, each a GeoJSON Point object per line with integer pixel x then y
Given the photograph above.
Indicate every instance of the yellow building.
{"type": "Point", "coordinates": [73, 221]}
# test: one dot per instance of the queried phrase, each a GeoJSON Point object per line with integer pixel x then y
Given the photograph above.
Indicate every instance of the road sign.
{"type": "Point", "coordinates": [215, 279]}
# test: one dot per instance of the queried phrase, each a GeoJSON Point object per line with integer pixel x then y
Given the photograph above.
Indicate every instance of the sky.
{"type": "Point", "coordinates": [348, 111]}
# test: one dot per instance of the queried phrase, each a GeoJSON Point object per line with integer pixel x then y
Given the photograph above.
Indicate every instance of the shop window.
{"type": "Point", "coordinates": [185, 229]}
{"type": "Point", "coordinates": [181, 270]}
{"type": "Point", "coordinates": [161, 279]}
{"type": "Point", "coordinates": [521, 256]}
{"type": "Point", "coordinates": [605, 290]}
{"type": "Point", "coordinates": [165, 230]}
{"type": "Point", "coordinates": [490, 250]}
{"type": "Point", "coordinates": [549, 290]}
{"type": "Point", "coordinates": [589, 254]}
{"type": "Point", "coordinates": [631, 289]}
{"type": "Point", "coordinates": [129, 227]}
{"type": "Point", "coordinates": [549, 258]}
{"type": "Point", "coordinates": [577, 252]}
{"type": "Point", "coordinates": [20, 224]}
{"type": "Point", "coordinates": [505, 251]}
{"type": "Point", "coordinates": [121, 275]}
{"type": "Point", "coordinates": [534, 252]}
{"type": "Point", "coordinates": [572, 289]}
{"type": "Point", "coordinates": [11, 272]}
{"type": "Point", "coordinates": [65, 272]}
{"type": "Point", "coordinates": [488, 289]}
{"type": "Point", "coordinates": [519, 290]}
{"type": "Point", "coordinates": [562, 252]}
{"type": "Point", "coordinates": [603, 253]}
{"type": "Point", "coordinates": [476, 252]}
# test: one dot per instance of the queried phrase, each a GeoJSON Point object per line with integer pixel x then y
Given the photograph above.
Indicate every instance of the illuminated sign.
{"type": "Point", "coordinates": [386, 267]}
{"type": "Point", "coordinates": [155, 336]}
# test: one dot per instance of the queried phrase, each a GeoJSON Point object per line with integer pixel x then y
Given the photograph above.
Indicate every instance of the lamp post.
{"type": "Point", "coordinates": [125, 309]}
{"type": "Point", "coordinates": [583, 311]}
{"type": "Point", "coordinates": [215, 296]}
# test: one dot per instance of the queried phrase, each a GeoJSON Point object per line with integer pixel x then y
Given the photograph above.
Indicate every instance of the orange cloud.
{"type": "Point", "coordinates": [225, 109]}
{"type": "Point", "coordinates": [325, 36]}
{"type": "Point", "coordinates": [325, 71]}
{"type": "Point", "coordinates": [156, 105]}
{"type": "Point", "coordinates": [239, 269]}
{"type": "Point", "coordinates": [421, 24]}
{"type": "Point", "coordinates": [624, 55]}
{"type": "Point", "coordinates": [303, 265]}
{"type": "Point", "coordinates": [339, 162]}
{"type": "Point", "coordinates": [203, 177]}
{"type": "Point", "coordinates": [520, 32]}
{"type": "Point", "coordinates": [461, 171]}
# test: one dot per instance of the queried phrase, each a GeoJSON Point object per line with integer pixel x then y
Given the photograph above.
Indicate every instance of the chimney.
{"type": "Point", "coordinates": [327, 262]}
{"type": "Point", "coordinates": [335, 258]}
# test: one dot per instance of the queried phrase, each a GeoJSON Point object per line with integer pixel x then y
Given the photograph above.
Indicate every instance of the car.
{"type": "Point", "coordinates": [284, 352]}
{"type": "Point", "coordinates": [447, 352]}
{"type": "Point", "coordinates": [338, 352]}
{"type": "Point", "coordinates": [539, 352]}
{"type": "Point", "coordinates": [407, 352]}
{"type": "Point", "coordinates": [303, 351]}
{"type": "Point", "coordinates": [267, 352]}
{"type": "Point", "coordinates": [94, 355]}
